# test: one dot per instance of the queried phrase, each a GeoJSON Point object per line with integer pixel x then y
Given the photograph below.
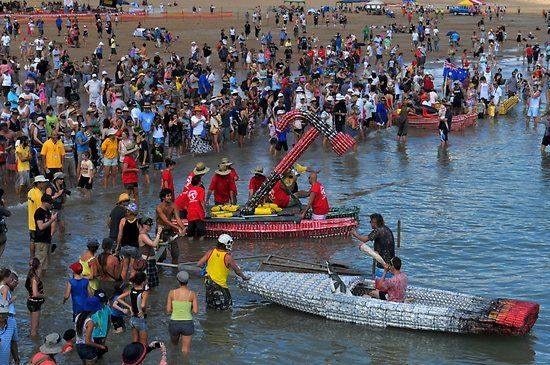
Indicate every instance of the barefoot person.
{"type": "Point", "coordinates": [181, 304]}
{"type": "Point", "coordinates": [35, 288]}
{"type": "Point", "coordinates": [168, 217]}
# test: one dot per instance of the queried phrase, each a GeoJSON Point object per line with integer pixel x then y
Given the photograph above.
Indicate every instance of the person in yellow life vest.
{"type": "Point", "coordinates": [219, 262]}
{"type": "Point", "coordinates": [34, 197]}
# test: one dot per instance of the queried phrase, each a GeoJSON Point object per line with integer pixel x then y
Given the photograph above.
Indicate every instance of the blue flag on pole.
{"type": "Point", "coordinates": [451, 71]}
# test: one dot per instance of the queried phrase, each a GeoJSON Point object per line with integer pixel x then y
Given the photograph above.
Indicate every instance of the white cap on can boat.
{"type": "Point", "coordinates": [226, 240]}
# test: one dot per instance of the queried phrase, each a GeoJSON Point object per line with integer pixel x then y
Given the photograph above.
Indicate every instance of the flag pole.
{"type": "Point", "coordinates": [445, 86]}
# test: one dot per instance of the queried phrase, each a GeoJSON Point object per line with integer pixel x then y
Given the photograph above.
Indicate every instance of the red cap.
{"type": "Point", "coordinates": [76, 267]}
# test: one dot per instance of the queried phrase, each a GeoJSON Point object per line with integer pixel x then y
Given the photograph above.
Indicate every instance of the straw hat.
{"type": "Point", "coordinates": [223, 170]}
{"type": "Point", "coordinates": [53, 344]}
{"type": "Point", "coordinates": [200, 169]}
{"type": "Point", "coordinates": [259, 170]}
{"type": "Point", "coordinates": [122, 198]}
{"type": "Point", "coordinates": [225, 161]}
{"type": "Point", "coordinates": [132, 147]}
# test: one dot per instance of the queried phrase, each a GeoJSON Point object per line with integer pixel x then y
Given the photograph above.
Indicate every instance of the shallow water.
{"type": "Point", "coordinates": [473, 218]}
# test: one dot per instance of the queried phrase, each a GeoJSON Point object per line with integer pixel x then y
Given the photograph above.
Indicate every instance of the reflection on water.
{"type": "Point", "coordinates": [474, 220]}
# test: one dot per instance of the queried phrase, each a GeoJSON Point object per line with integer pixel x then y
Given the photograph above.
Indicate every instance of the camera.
{"type": "Point", "coordinates": [65, 190]}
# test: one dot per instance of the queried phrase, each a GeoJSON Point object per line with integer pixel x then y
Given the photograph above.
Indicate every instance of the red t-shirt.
{"type": "Point", "coordinates": [234, 174]}
{"type": "Point", "coordinates": [320, 202]}
{"type": "Point", "coordinates": [195, 195]}
{"type": "Point", "coordinates": [132, 176]}
{"type": "Point", "coordinates": [255, 182]}
{"type": "Point", "coordinates": [222, 186]}
{"type": "Point", "coordinates": [280, 197]}
{"type": "Point", "coordinates": [167, 180]}
{"type": "Point", "coordinates": [188, 181]}
{"type": "Point", "coordinates": [181, 201]}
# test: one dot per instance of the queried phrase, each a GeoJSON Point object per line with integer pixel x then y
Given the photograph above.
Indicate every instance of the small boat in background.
{"type": "Point", "coordinates": [423, 308]}
{"type": "Point", "coordinates": [431, 121]}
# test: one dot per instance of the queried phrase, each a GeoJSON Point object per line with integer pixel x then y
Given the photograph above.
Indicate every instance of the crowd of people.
{"type": "Point", "coordinates": [67, 122]}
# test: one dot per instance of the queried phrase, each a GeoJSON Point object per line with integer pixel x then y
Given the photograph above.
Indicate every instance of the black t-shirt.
{"type": "Point", "coordinates": [44, 236]}
{"type": "Point", "coordinates": [116, 215]}
{"type": "Point", "coordinates": [384, 243]}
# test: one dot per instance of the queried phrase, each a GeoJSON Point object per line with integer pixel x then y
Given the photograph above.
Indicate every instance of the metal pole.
{"type": "Point", "coordinates": [399, 233]}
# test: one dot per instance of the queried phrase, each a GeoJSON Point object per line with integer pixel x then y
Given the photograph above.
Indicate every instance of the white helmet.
{"type": "Point", "coordinates": [226, 240]}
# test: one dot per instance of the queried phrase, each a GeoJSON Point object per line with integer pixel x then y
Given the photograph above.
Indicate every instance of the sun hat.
{"type": "Point", "coordinates": [183, 277]}
{"type": "Point", "coordinates": [76, 267]}
{"type": "Point", "coordinates": [58, 175]}
{"type": "Point", "coordinates": [104, 72]}
{"type": "Point", "coordinates": [339, 97]}
{"type": "Point", "coordinates": [94, 76]}
{"type": "Point", "coordinates": [40, 178]}
{"type": "Point", "coordinates": [259, 170]}
{"type": "Point", "coordinates": [226, 161]}
{"type": "Point", "coordinates": [329, 98]}
{"type": "Point", "coordinates": [111, 132]}
{"type": "Point", "coordinates": [132, 147]}
{"type": "Point", "coordinates": [53, 344]}
{"type": "Point", "coordinates": [134, 353]}
{"type": "Point", "coordinates": [200, 169]}
{"type": "Point", "coordinates": [124, 197]}
{"type": "Point", "coordinates": [223, 170]}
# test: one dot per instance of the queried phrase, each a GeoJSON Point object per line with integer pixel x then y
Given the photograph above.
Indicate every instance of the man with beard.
{"type": "Point", "coordinates": [168, 216]}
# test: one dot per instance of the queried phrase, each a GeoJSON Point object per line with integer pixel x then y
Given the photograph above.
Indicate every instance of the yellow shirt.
{"type": "Point", "coordinates": [34, 198]}
{"type": "Point", "coordinates": [216, 269]}
{"type": "Point", "coordinates": [23, 152]}
{"type": "Point", "coordinates": [53, 152]}
{"type": "Point", "coordinates": [109, 148]}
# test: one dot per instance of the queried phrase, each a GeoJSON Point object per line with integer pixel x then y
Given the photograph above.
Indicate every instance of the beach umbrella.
{"type": "Point", "coordinates": [451, 32]}
{"type": "Point", "coordinates": [465, 3]}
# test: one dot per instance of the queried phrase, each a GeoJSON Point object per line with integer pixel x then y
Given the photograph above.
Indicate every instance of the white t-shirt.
{"type": "Point", "coordinates": [6, 40]}
{"type": "Point", "coordinates": [198, 123]}
{"type": "Point", "coordinates": [86, 168]}
{"type": "Point", "coordinates": [94, 87]}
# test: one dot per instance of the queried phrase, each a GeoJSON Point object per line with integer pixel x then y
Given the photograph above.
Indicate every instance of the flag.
{"type": "Point", "coordinates": [454, 72]}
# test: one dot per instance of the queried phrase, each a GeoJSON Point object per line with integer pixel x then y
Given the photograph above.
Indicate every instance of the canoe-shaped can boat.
{"type": "Point", "coordinates": [339, 222]}
{"type": "Point", "coordinates": [423, 309]}
{"type": "Point", "coordinates": [460, 122]}
{"type": "Point", "coordinates": [505, 106]}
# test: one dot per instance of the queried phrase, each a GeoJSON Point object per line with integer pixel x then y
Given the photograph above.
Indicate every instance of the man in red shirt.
{"type": "Point", "coordinates": [223, 186]}
{"type": "Point", "coordinates": [130, 172]}
{"type": "Point", "coordinates": [233, 173]}
{"type": "Point", "coordinates": [167, 180]}
{"type": "Point", "coordinates": [181, 201]}
{"type": "Point", "coordinates": [318, 201]}
{"type": "Point", "coordinates": [256, 181]}
{"type": "Point", "coordinates": [196, 209]}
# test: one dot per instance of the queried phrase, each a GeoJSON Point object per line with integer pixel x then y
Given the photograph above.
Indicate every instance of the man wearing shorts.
{"type": "Point", "coordinates": [86, 175]}
{"type": "Point", "coordinates": [109, 148]}
{"type": "Point", "coordinates": [196, 209]}
{"type": "Point", "coordinates": [53, 152]}
{"type": "Point", "coordinates": [34, 200]}
{"type": "Point", "coordinates": [168, 217]}
{"type": "Point", "coordinates": [534, 106]}
{"type": "Point", "coordinates": [43, 219]}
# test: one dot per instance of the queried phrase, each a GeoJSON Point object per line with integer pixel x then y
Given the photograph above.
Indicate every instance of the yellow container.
{"type": "Point", "coordinates": [216, 208]}
{"type": "Point", "coordinates": [230, 208]}
{"type": "Point", "coordinates": [222, 215]}
{"type": "Point", "coordinates": [491, 110]}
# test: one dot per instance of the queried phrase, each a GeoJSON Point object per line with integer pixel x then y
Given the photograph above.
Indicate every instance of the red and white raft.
{"type": "Point", "coordinates": [460, 122]}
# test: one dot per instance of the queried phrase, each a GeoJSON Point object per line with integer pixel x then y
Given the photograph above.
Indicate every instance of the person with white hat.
{"type": "Point", "coordinates": [57, 191]}
{"type": "Point", "coordinates": [219, 262]}
{"type": "Point", "coordinates": [256, 181]}
{"type": "Point", "coordinates": [94, 88]}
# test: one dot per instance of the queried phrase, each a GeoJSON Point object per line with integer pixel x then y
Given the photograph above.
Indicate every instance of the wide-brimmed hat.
{"type": "Point", "coordinates": [226, 161]}
{"type": "Point", "coordinates": [339, 97]}
{"type": "Point", "coordinates": [124, 197]}
{"type": "Point", "coordinates": [223, 170]}
{"type": "Point", "coordinates": [259, 170]}
{"type": "Point", "coordinates": [40, 178]}
{"type": "Point", "coordinates": [200, 169]}
{"type": "Point", "coordinates": [134, 353]}
{"type": "Point", "coordinates": [132, 147]}
{"type": "Point", "coordinates": [111, 132]}
{"type": "Point", "coordinates": [58, 175]}
{"type": "Point", "coordinates": [53, 344]}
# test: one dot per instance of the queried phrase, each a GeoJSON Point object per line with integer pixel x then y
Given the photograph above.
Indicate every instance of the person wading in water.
{"type": "Point", "coordinates": [167, 213]}
{"type": "Point", "coordinates": [218, 264]}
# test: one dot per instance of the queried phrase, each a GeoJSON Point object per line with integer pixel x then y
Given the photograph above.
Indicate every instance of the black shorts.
{"type": "Point", "coordinates": [273, 141]}
{"type": "Point", "coordinates": [281, 145]}
{"type": "Point", "coordinates": [31, 235]}
{"type": "Point", "coordinates": [196, 229]}
{"type": "Point", "coordinates": [85, 183]}
{"type": "Point", "coordinates": [118, 322]}
{"type": "Point", "coordinates": [34, 305]}
{"type": "Point", "coordinates": [546, 140]}
{"type": "Point", "coordinates": [181, 328]}
{"type": "Point", "coordinates": [183, 214]}
{"type": "Point", "coordinates": [131, 185]}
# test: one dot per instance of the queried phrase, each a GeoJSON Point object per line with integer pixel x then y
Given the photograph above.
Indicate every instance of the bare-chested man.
{"type": "Point", "coordinates": [169, 218]}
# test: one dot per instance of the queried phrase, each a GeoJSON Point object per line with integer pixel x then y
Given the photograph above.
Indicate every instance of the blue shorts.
{"type": "Point", "coordinates": [139, 324]}
{"type": "Point", "coordinates": [533, 112]}
{"type": "Point", "coordinates": [110, 161]}
{"type": "Point", "coordinates": [379, 272]}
